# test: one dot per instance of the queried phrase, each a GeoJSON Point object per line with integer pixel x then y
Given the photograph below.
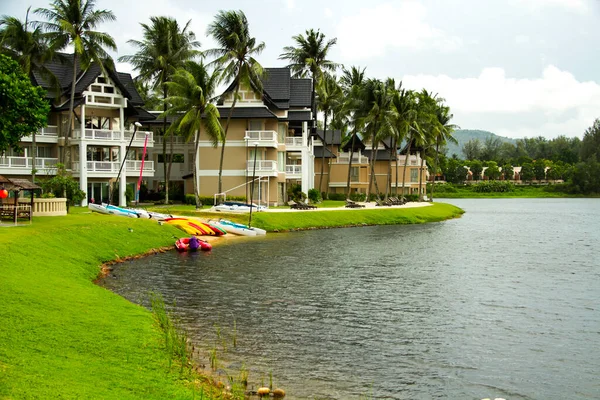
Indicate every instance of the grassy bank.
{"type": "Point", "coordinates": [62, 336]}
{"type": "Point", "coordinates": [518, 191]}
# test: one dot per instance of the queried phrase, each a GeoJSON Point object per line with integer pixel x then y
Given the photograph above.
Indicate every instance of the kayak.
{"type": "Point", "coordinates": [232, 227]}
{"type": "Point", "coordinates": [195, 226]}
{"type": "Point", "coordinates": [257, 231]}
{"type": "Point", "coordinates": [192, 244]}
{"type": "Point", "coordinates": [104, 209]}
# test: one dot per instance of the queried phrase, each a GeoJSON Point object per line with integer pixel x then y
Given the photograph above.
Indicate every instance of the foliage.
{"type": "Point", "coordinates": [492, 171]}
{"type": "Point", "coordinates": [314, 196]}
{"type": "Point", "coordinates": [493, 187]}
{"type": "Point", "coordinates": [590, 145]}
{"type": "Point", "coordinates": [455, 172]}
{"type": "Point", "coordinates": [539, 169]}
{"type": "Point", "coordinates": [476, 169]}
{"type": "Point", "coordinates": [527, 172]}
{"type": "Point", "coordinates": [586, 177]}
{"type": "Point", "coordinates": [63, 182]}
{"type": "Point", "coordinates": [472, 149]}
{"type": "Point", "coordinates": [23, 109]}
{"type": "Point", "coordinates": [508, 172]}
{"type": "Point", "coordinates": [294, 192]}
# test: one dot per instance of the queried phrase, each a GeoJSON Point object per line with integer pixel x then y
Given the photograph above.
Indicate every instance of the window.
{"type": "Point", "coordinates": [177, 158]}
{"type": "Point", "coordinates": [281, 161]}
{"type": "Point", "coordinates": [101, 79]}
{"type": "Point", "coordinates": [354, 174]}
{"type": "Point", "coordinates": [92, 122]}
{"type": "Point", "coordinates": [254, 125]}
{"type": "Point", "coordinates": [109, 89]}
{"type": "Point", "coordinates": [414, 175]}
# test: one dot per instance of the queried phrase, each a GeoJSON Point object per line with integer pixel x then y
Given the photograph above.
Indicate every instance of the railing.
{"type": "Point", "coordinates": [113, 166]}
{"type": "Point", "coordinates": [97, 134]}
{"type": "Point", "coordinates": [293, 141]}
{"type": "Point", "coordinates": [25, 162]}
{"type": "Point", "coordinates": [51, 131]}
{"type": "Point", "coordinates": [261, 136]}
{"type": "Point", "coordinates": [176, 140]}
{"type": "Point", "coordinates": [262, 166]}
{"type": "Point", "coordinates": [293, 169]}
{"type": "Point", "coordinates": [140, 136]}
{"type": "Point", "coordinates": [136, 165]}
{"type": "Point", "coordinates": [47, 207]}
{"type": "Point", "coordinates": [356, 159]}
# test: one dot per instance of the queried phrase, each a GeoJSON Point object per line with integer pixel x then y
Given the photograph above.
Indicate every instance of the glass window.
{"type": "Point", "coordinates": [354, 174]}
{"type": "Point", "coordinates": [254, 125]}
{"type": "Point", "coordinates": [282, 129]}
{"type": "Point", "coordinates": [281, 161]}
{"type": "Point", "coordinates": [414, 175]}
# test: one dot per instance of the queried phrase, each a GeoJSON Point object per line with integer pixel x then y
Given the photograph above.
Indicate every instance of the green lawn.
{"type": "Point", "coordinates": [61, 336]}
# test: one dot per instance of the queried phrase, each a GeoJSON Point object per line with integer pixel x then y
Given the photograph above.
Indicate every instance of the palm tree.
{"type": "Point", "coordinates": [429, 126]}
{"type": "Point", "coordinates": [164, 48]}
{"type": "Point", "coordinates": [73, 22]}
{"type": "Point", "coordinates": [310, 57]}
{"type": "Point", "coordinates": [405, 116]}
{"type": "Point", "coordinates": [190, 92]}
{"type": "Point", "coordinates": [378, 120]}
{"type": "Point", "coordinates": [30, 48]}
{"type": "Point", "coordinates": [444, 134]}
{"type": "Point", "coordinates": [235, 55]}
{"type": "Point", "coordinates": [352, 81]}
{"type": "Point", "coordinates": [414, 133]}
{"type": "Point", "coordinates": [329, 97]}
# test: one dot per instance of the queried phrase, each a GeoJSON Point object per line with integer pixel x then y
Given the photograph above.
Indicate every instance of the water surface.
{"type": "Point", "coordinates": [503, 302]}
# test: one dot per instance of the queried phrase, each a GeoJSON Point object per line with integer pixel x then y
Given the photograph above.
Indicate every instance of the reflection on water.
{"type": "Point", "coordinates": [500, 303]}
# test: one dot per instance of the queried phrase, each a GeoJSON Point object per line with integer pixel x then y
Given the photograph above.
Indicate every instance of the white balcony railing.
{"type": "Point", "coordinates": [49, 132]}
{"type": "Point", "coordinates": [25, 162]}
{"type": "Point", "coordinates": [140, 136]}
{"type": "Point", "coordinates": [263, 138]}
{"type": "Point", "coordinates": [177, 140]}
{"type": "Point", "coordinates": [293, 169]}
{"type": "Point", "coordinates": [344, 158]}
{"type": "Point", "coordinates": [136, 165]}
{"type": "Point", "coordinates": [262, 167]}
{"type": "Point", "coordinates": [293, 141]}
{"type": "Point", "coordinates": [112, 135]}
{"type": "Point", "coordinates": [110, 167]}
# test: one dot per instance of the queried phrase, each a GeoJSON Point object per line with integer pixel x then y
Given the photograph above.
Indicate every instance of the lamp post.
{"type": "Point", "coordinates": [136, 125]}
{"type": "Point", "coordinates": [246, 138]}
{"type": "Point", "coordinates": [252, 185]}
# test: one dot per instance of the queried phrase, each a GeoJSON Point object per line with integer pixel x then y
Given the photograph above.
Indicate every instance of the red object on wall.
{"type": "Point", "coordinates": [3, 194]}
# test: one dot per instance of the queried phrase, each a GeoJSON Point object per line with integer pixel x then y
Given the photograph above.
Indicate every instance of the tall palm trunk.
{"type": "Point", "coordinates": [396, 161]}
{"type": "Point", "coordinates": [69, 130]}
{"type": "Point", "coordinates": [406, 165]}
{"type": "Point", "coordinates": [164, 149]}
{"type": "Point", "coordinates": [437, 156]}
{"type": "Point", "coordinates": [350, 165]}
{"type": "Point", "coordinates": [421, 175]}
{"type": "Point", "coordinates": [323, 156]}
{"type": "Point", "coordinates": [388, 188]}
{"type": "Point", "coordinates": [235, 96]}
{"type": "Point", "coordinates": [195, 169]}
{"type": "Point", "coordinates": [170, 163]}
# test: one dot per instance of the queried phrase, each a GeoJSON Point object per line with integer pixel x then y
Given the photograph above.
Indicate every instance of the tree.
{"type": "Point", "coordinates": [492, 172]}
{"type": "Point", "coordinates": [235, 55]}
{"type": "Point", "coordinates": [491, 149]}
{"type": "Point", "coordinates": [590, 145]}
{"type": "Point", "coordinates": [476, 169]}
{"type": "Point", "coordinates": [508, 172]}
{"type": "Point", "coordinates": [472, 149]}
{"type": "Point", "coordinates": [539, 169]}
{"type": "Point", "coordinates": [23, 109]}
{"type": "Point", "coordinates": [442, 134]}
{"type": "Point", "coordinates": [527, 173]}
{"type": "Point", "coordinates": [30, 48]}
{"type": "Point", "coordinates": [404, 104]}
{"type": "Point", "coordinates": [329, 96]}
{"type": "Point", "coordinates": [63, 184]}
{"type": "Point", "coordinates": [164, 48]}
{"type": "Point", "coordinates": [455, 171]}
{"type": "Point", "coordinates": [190, 91]}
{"type": "Point", "coordinates": [310, 57]}
{"type": "Point", "coordinates": [74, 22]}
{"type": "Point", "coordinates": [586, 177]}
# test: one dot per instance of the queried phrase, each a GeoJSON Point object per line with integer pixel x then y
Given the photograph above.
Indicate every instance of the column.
{"type": "Point", "coordinates": [123, 149]}
{"type": "Point", "coordinates": [83, 159]}
{"type": "Point", "coordinates": [305, 159]}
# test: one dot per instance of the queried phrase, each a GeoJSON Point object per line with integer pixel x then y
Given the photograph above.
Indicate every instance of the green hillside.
{"type": "Point", "coordinates": [464, 135]}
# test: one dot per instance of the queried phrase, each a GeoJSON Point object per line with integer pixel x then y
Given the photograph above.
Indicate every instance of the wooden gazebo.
{"type": "Point", "coordinates": [16, 210]}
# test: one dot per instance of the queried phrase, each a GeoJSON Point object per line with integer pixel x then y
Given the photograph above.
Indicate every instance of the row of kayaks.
{"type": "Point", "coordinates": [127, 212]}
{"type": "Point", "coordinates": [212, 227]}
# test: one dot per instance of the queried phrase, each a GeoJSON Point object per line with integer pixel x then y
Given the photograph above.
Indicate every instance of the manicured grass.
{"type": "Point", "coordinates": [61, 336]}
{"type": "Point", "coordinates": [521, 191]}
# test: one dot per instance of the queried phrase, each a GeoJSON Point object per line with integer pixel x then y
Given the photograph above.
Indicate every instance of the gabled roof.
{"type": "Point", "coordinates": [331, 137]}
{"type": "Point", "coordinates": [298, 115]}
{"type": "Point", "coordinates": [247, 112]}
{"type": "Point", "coordinates": [300, 92]}
{"type": "Point", "coordinates": [413, 148]}
{"type": "Point", "coordinates": [358, 143]}
{"type": "Point", "coordinates": [382, 155]}
{"type": "Point", "coordinates": [320, 150]}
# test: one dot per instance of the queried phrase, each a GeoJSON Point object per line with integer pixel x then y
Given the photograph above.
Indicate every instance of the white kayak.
{"type": "Point", "coordinates": [236, 229]}
{"type": "Point", "coordinates": [103, 209]}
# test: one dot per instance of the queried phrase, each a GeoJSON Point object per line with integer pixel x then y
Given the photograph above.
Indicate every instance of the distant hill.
{"type": "Point", "coordinates": [464, 135]}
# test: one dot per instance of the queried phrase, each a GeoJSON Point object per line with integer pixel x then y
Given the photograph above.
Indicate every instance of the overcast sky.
{"type": "Point", "coordinates": [518, 68]}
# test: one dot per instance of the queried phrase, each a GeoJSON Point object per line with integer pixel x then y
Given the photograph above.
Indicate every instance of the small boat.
{"type": "Point", "coordinates": [236, 206]}
{"type": "Point", "coordinates": [232, 227]}
{"type": "Point", "coordinates": [257, 231]}
{"type": "Point", "coordinates": [192, 244]}
{"type": "Point", "coordinates": [195, 226]}
{"type": "Point", "coordinates": [106, 209]}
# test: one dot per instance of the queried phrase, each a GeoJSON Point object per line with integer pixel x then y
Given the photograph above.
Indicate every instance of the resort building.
{"type": "Point", "coordinates": [102, 128]}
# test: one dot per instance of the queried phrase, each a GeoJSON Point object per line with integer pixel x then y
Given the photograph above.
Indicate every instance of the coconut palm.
{"type": "Point", "coordinates": [74, 22]}
{"type": "Point", "coordinates": [403, 102]}
{"type": "Point", "coordinates": [414, 133]}
{"type": "Point", "coordinates": [329, 98]}
{"type": "Point", "coordinates": [30, 48]}
{"type": "Point", "coordinates": [165, 47]}
{"type": "Point", "coordinates": [310, 57]}
{"type": "Point", "coordinates": [235, 57]}
{"type": "Point", "coordinates": [429, 126]}
{"type": "Point", "coordinates": [190, 92]}
{"type": "Point", "coordinates": [352, 81]}
{"type": "Point", "coordinates": [443, 134]}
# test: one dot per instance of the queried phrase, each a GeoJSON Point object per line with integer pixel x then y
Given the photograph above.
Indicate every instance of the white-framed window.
{"type": "Point", "coordinates": [255, 125]}
{"type": "Point", "coordinates": [414, 175]}
{"type": "Point", "coordinates": [281, 161]}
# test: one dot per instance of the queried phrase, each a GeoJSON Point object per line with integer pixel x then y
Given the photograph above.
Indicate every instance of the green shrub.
{"type": "Point", "coordinates": [411, 197]}
{"type": "Point", "coordinates": [314, 196]}
{"type": "Point", "coordinates": [493, 187]}
{"type": "Point", "coordinates": [336, 196]}
{"type": "Point", "coordinates": [443, 188]}
{"type": "Point", "coordinates": [295, 193]}
{"type": "Point", "coordinates": [358, 197]}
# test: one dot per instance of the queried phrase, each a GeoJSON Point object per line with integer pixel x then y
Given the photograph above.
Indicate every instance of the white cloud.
{"type": "Point", "coordinates": [328, 13]}
{"type": "Point", "coordinates": [290, 4]}
{"type": "Point", "coordinates": [580, 6]}
{"type": "Point", "coordinates": [390, 25]}
{"type": "Point", "coordinates": [555, 103]}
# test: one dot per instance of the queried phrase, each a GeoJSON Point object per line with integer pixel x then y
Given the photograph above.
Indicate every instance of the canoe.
{"type": "Point", "coordinates": [183, 244]}
{"type": "Point", "coordinates": [258, 231]}
{"type": "Point", "coordinates": [238, 207]}
{"type": "Point", "coordinates": [232, 227]}
{"type": "Point", "coordinates": [103, 209]}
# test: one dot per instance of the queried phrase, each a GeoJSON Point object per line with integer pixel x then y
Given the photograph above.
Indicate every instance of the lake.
{"type": "Point", "coordinates": [503, 302]}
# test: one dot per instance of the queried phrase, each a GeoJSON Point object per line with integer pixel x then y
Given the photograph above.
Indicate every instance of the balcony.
{"type": "Point", "coordinates": [263, 168]}
{"type": "Point", "coordinates": [262, 138]}
{"type": "Point", "coordinates": [111, 168]}
{"type": "Point", "coordinates": [293, 143]}
{"type": "Point", "coordinates": [113, 136]}
{"type": "Point", "coordinates": [177, 140]}
{"type": "Point", "coordinates": [23, 165]}
{"type": "Point", "coordinates": [344, 158]}
{"type": "Point", "coordinates": [293, 171]}
{"type": "Point", "coordinates": [48, 134]}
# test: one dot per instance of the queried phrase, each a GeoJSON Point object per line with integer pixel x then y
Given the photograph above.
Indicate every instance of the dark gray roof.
{"type": "Point", "coordinates": [139, 113]}
{"type": "Point", "coordinates": [298, 115]}
{"type": "Point", "coordinates": [332, 137]}
{"type": "Point", "coordinates": [358, 144]}
{"type": "Point", "coordinates": [319, 152]}
{"type": "Point", "coordinates": [65, 106]}
{"type": "Point", "coordinates": [247, 112]}
{"type": "Point", "coordinates": [300, 92]}
{"type": "Point", "coordinates": [381, 154]}
{"type": "Point", "coordinates": [277, 83]}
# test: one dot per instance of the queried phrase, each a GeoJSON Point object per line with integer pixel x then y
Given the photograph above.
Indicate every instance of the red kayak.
{"type": "Point", "coordinates": [192, 244]}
